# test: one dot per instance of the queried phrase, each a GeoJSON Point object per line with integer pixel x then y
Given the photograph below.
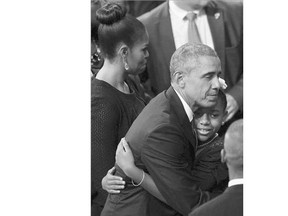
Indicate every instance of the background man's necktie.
{"type": "Point", "coordinates": [193, 34]}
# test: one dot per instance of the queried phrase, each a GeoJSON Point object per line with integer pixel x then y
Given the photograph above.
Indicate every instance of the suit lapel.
{"type": "Point", "coordinates": [167, 44]}
{"type": "Point", "coordinates": [216, 23]}
{"type": "Point", "coordinates": [182, 116]}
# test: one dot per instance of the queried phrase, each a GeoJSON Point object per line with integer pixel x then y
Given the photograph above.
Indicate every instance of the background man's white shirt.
{"type": "Point", "coordinates": [180, 26]}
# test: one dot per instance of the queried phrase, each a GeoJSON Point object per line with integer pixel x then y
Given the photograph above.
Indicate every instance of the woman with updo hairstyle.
{"type": "Point", "coordinates": [115, 99]}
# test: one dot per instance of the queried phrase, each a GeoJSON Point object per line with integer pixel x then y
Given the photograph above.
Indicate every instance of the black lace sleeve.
{"type": "Point", "coordinates": [104, 135]}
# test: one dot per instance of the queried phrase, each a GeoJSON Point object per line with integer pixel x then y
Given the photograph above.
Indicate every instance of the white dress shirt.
{"type": "Point", "coordinates": [180, 26]}
{"type": "Point", "coordinates": [237, 181]}
{"type": "Point", "coordinates": [187, 109]}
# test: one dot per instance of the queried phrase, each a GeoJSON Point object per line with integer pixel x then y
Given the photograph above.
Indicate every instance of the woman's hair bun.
{"type": "Point", "coordinates": [110, 13]}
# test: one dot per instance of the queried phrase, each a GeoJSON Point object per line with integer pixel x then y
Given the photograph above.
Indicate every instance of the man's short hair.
{"type": "Point", "coordinates": [233, 144]}
{"type": "Point", "coordinates": [186, 57]}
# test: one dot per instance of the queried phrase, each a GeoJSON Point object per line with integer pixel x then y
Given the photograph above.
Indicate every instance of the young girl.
{"type": "Point", "coordinates": [210, 173]}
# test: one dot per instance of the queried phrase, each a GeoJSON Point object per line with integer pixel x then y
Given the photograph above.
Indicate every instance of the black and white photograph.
{"type": "Point", "coordinates": [136, 108]}
{"type": "Point", "coordinates": [166, 108]}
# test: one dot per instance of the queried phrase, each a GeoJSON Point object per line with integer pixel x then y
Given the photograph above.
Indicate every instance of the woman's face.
{"type": "Point", "coordinates": [138, 55]}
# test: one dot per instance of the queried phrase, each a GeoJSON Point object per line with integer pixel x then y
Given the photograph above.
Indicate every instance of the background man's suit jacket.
{"type": "Point", "coordinates": [226, 24]}
{"type": "Point", "coordinates": [163, 143]}
{"type": "Point", "coordinates": [227, 204]}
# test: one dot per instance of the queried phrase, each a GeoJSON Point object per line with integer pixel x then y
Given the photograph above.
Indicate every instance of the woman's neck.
{"type": "Point", "coordinates": [113, 74]}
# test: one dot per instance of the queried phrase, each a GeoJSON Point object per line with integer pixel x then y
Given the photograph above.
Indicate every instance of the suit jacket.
{"type": "Point", "coordinates": [226, 24]}
{"type": "Point", "coordinates": [163, 144]}
{"type": "Point", "coordinates": [137, 8]}
{"type": "Point", "coordinates": [227, 204]}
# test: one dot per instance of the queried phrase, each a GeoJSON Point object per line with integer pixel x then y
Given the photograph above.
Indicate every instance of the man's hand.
{"type": "Point", "coordinates": [232, 107]}
{"type": "Point", "coordinates": [112, 183]}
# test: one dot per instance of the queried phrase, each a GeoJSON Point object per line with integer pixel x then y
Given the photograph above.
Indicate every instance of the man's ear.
{"type": "Point", "coordinates": [223, 158]}
{"type": "Point", "coordinates": [178, 77]}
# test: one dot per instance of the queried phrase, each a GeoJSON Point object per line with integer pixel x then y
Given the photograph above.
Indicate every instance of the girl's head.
{"type": "Point", "coordinates": [209, 120]}
{"type": "Point", "coordinates": [122, 37]}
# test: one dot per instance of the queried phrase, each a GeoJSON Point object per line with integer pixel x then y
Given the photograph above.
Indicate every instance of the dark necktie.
{"type": "Point", "coordinates": [193, 34]}
{"type": "Point", "coordinates": [194, 133]}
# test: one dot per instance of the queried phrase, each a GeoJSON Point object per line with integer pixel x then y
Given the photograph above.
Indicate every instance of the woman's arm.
{"type": "Point", "coordinates": [125, 160]}
{"type": "Point", "coordinates": [104, 139]}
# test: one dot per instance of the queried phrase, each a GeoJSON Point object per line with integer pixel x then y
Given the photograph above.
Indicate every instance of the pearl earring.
{"type": "Point", "coordinates": [126, 66]}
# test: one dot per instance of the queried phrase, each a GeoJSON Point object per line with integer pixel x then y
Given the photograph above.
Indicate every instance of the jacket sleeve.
{"type": "Point", "coordinates": [237, 92]}
{"type": "Point", "coordinates": [209, 171]}
{"type": "Point", "coordinates": [163, 156]}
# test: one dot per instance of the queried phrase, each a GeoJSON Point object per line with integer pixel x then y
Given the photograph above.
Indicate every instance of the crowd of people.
{"type": "Point", "coordinates": [166, 107]}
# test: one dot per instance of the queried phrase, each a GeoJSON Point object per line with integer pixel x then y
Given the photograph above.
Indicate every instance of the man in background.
{"type": "Point", "coordinates": [218, 24]}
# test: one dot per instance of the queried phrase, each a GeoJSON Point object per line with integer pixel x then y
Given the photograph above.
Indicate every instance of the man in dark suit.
{"type": "Point", "coordinates": [224, 26]}
{"type": "Point", "coordinates": [137, 8]}
{"type": "Point", "coordinates": [163, 140]}
{"type": "Point", "coordinates": [231, 201]}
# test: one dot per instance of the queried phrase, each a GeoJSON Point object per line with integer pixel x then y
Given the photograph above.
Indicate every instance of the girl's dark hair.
{"type": "Point", "coordinates": [116, 26]}
{"type": "Point", "coordinates": [222, 97]}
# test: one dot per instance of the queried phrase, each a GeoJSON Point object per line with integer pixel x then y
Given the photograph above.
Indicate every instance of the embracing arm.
{"type": "Point", "coordinates": [166, 157]}
{"type": "Point", "coordinates": [125, 160]}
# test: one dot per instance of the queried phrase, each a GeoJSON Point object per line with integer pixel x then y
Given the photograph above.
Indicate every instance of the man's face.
{"type": "Point", "coordinates": [202, 84]}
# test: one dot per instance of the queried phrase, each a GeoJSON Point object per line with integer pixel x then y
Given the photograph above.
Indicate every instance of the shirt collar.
{"type": "Point", "coordinates": [186, 107]}
{"type": "Point", "coordinates": [237, 181]}
{"type": "Point", "coordinates": [182, 13]}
